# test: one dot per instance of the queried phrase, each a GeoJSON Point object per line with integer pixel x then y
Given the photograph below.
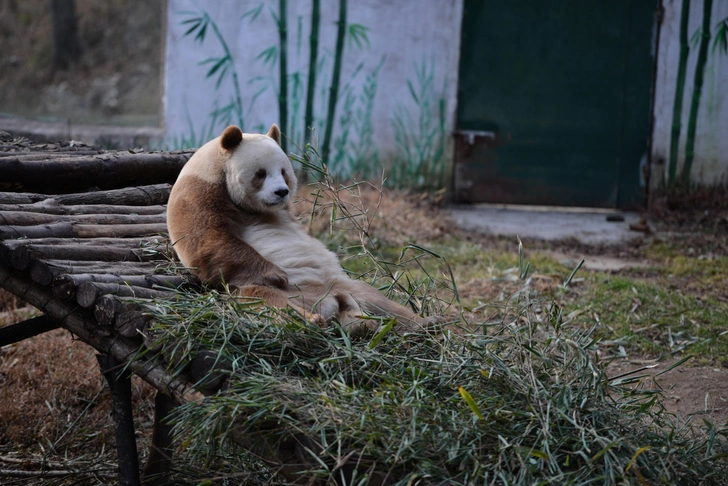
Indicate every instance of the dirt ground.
{"type": "Point", "coordinates": [54, 402]}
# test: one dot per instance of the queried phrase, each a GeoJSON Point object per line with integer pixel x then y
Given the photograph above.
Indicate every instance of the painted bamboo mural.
{"type": "Point", "coordinates": [697, 90]}
{"type": "Point", "coordinates": [283, 58]}
{"type": "Point", "coordinates": [334, 90]}
{"type": "Point", "coordinates": [679, 92]}
{"type": "Point", "coordinates": [313, 55]}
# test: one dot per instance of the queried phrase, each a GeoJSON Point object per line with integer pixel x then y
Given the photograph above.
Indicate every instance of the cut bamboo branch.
{"type": "Point", "coordinates": [43, 272]}
{"type": "Point", "coordinates": [88, 292]}
{"type": "Point", "coordinates": [105, 171]}
{"type": "Point", "coordinates": [21, 218]}
{"type": "Point", "coordinates": [72, 230]}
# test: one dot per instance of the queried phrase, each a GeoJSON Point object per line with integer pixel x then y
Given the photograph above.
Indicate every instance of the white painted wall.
{"type": "Point", "coordinates": [710, 165]}
{"type": "Point", "coordinates": [403, 36]}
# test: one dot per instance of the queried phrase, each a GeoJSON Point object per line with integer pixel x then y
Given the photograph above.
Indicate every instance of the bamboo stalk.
{"type": "Point", "coordinates": [697, 91]}
{"type": "Point", "coordinates": [334, 90]}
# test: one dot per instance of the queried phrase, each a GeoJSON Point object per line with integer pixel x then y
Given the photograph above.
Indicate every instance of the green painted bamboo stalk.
{"type": "Point", "coordinates": [233, 71]}
{"type": "Point", "coordinates": [679, 91]}
{"type": "Point", "coordinates": [283, 93]}
{"type": "Point", "coordinates": [334, 90]}
{"type": "Point", "coordinates": [697, 91]}
{"type": "Point", "coordinates": [312, 59]}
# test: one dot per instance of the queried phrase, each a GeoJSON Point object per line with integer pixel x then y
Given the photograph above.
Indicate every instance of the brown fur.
{"type": "Point", "coordinates": [229, 208]}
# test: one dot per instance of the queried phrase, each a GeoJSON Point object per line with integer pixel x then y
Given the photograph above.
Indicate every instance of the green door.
{"type": "Point", "coordinates": [554, 102]}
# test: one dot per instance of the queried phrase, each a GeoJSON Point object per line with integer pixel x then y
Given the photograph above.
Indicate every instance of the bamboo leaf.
{"type": "Point", "coordinates": [357, 34]}
{"type": "Point", "coordinates": [194, 27]}
{"type": "Point", "coordinates": [470, 402]}
{"type": "Point", "coordinates": [721, 36]}
{"type": "Point", "coordinates": [201, 34]}
{"type": "Point", "coordinates": [382, 332]}
{"type": "Point", "coordinates": [636, 455]}
{"type": "Point", "coordinates": [269, 55]}
{"type": "Point", "coordinates": [253, 13]}
{"type": "Point", "coordinates": [220, 62]}
{"type": "Point", "coordinates": [568, 280]}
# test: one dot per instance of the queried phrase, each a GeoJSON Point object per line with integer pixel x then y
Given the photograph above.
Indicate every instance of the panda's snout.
{"type": "Point", "coordinates": [281, 192]}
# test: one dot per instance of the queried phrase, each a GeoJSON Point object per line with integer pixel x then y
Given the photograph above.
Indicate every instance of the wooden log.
{"type": "Point", "coordinates": [105, 310]}
{"type": "Point", "coordinates": [64, 286]}
{"type": "Point", "coordinates": [27, 329]}
{"type": "Point", "coordinates": [127, 318]}
{"type": "Point", "coordinates": [131, 322]}
{"type": "Point", "coordinates": [282, 451]}
{"type": "Point", "coordinates": [159, 461]}
{"type": "Point", "coordinates": [72, 230]}
{"type": "Point", "coordinates": [43, 271]}
{"type": "Point", "coordinates": [87, 293]}
{"type": "Point", "coordinates": [136, 242]}
{"type": "Point", "coordinates": [50, 154]}
{"type": "Point", "coordinates": [20, 218]}
{"type": "Point", "coordinates": [105, 171]}
{"type": "Point", "coordinates": [22, 256]}
{"type": "Point", "coordinates": [119, 380]}
{"type": "Point", "coordinates": [81, 322]}
{"type": "Point", "coordinates": [51, 206]}
{"type": "Point", "coordinates": [149, 195]}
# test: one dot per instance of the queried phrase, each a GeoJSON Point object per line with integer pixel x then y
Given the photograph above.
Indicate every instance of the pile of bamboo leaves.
{"type": "Point", "coordinates": [518, 401]}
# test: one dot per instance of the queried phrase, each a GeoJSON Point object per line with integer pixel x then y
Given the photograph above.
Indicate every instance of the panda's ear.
{"type": "Point", "coordinates": [231, 138]}
{"type": "Point", "coordinates": [275, 133]}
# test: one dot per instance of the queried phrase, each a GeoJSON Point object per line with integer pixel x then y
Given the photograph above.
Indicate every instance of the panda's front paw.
{"type": "Point", "coordinates": [274, 277]}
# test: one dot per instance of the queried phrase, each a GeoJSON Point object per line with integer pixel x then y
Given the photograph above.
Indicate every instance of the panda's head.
{"type": "Point", "coordinates": [259, 176]}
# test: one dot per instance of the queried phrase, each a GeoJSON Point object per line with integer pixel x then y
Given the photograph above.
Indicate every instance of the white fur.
{"type": "Point", "coordinates": [259, 152]}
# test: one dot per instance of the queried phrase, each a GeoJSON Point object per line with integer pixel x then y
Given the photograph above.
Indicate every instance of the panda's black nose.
{"type": "Point", "coordinates": [281, 193]}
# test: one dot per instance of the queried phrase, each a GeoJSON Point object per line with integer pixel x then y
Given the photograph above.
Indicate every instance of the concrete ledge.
{"type": "Point", "coordinates": [586, 225]}
{"type": "Point", "coordinates": [108, 136]}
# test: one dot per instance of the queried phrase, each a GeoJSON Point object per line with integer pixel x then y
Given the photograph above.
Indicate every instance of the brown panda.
{"type": "Point", "coordinates": [229, 218]}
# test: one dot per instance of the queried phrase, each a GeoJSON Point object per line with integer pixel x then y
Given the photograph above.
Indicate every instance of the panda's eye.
{"type": "Point", "coordinates": [260, 174]}
{"type": "Point", "coordinates": [283, 172]}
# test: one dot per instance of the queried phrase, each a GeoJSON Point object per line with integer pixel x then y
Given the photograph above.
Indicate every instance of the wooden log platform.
{"type": "Point", "coordinates": [83, 238]}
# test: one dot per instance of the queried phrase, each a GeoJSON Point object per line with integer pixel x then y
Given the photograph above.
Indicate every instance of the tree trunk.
{"type": "Point", "coordinates": [65, 33]}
